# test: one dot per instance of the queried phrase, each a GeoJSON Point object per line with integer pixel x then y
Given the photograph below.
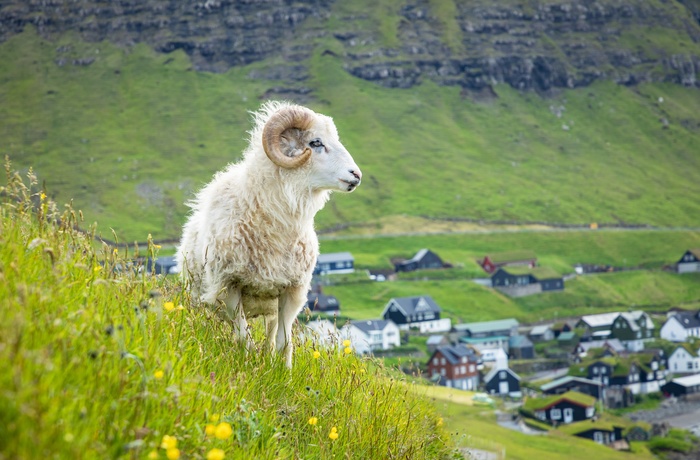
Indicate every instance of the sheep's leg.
{"type": "Point", "coordinates": [289, 305]}
{"type": "Point", "coordinates": [271, 323]}
{"type": "Point", "coordinates": [234, 313]}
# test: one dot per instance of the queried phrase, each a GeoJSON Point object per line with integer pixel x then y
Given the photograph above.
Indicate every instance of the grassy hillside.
{"type": "Point", "coordinates": [99, 365]}
{"type": "Point", "coordinates": [650, 288]}
{"type": "Point", "coordinates": [132, 135]}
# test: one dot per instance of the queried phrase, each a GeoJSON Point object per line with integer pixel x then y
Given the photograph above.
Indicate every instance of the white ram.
{"type": "Point", "coordinates": [249, 244]}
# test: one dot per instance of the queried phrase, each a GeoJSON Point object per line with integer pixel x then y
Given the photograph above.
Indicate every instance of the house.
{"type": "Point", "coordinates": [420, 312]}
{"type": "Point", "coordinates": [503, 327]}
{"type": "Point", "coordinates": [637, 433]}
{"type": "Point", "coordinates": [601, 348]}
{"type": "Point", "coordinates": [435, 341]}
{"type": "Point", "coordinates": [683, 386]}
{"type": "Point", "coordinates": [541, 333]}
{"type": "Point", "coordinates": [567, 339]}
{"type": "Point", "coordinates": [565, 408]}
{"type": "Point", "coordinates": [367, 336]}
{"type": "Point", "coordinates": [484, 343]}
{"type": "Point", "coordinates": [562, 326]}
{"type": "Point", "coordinates": [491, 262]}
{"type": "Point", "coordinates": [684, 360]}
{"type": "Point", "coordinates": [494, 357]}
{"type": "Point", "coordinates": [503, 382]}
{"type": "Point", "coordinates": [521, 347]}
{"type": "Point", "coordinates": [689, 262]}
{"type": "Point", "coordinates": [334, 263]}
{"type": "Point", "coordinates": [570, 383]}
{"type": "Point", "coordinates": [631, 328]}
{"type": "Point", "coordinates": [455, 367]}
{"type": "Point", "coordinates": [600, 431]}
{"type": "Point", "coordinates": [165, 265]}
{"type": "Point", "coordinates": [423, 260]}
{"type": "Point", "coordinates": [640, 373]}
{"type": "Point", "coordinates": [322, 303]}
{"type": "Point", "coordinates": [322, 332]}
{"type": "Point", "coordinates": [652, 372]}
{"type": "Point", "coordinates": [523, 281]}
{"type": "Point", "coordinates": [681, 325]}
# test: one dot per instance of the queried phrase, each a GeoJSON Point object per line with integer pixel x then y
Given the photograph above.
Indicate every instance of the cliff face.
{"type": "Point", "coordinates": [474, 44]}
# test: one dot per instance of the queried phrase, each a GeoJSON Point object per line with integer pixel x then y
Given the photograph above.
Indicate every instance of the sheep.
{"type": "Point", "coordinates": [249, 243]}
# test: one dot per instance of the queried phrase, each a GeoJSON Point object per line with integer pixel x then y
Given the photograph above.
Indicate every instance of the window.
{"type": "Point", "coordinates": [540, 414]}
{"type": "Point", "coordinates": [442, 361]}
{"type": "Point", "coordinates": [464, 359]}
{"type": "Point", "coordinates": [555, 414]}
{"type": "Point", "coordinates": [590, 411]}
{"type": "Point", "coordinates": [595, 371]}
{"type": "Point", "coordinates": [690, 365]}
{"type": "Point", "coordinates": [471, 368]}
{"type": "Point", "coordinates": [464, 369]}
{"type": "Point", "coordinates": [502, 375]}
{"type": "Point", "coordinates": [442, 371]}
{"type": "Point", "coordinates": [603, 370]}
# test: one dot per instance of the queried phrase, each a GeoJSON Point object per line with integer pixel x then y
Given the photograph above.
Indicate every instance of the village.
{"type": "Point", "coordinates": [574, 374]}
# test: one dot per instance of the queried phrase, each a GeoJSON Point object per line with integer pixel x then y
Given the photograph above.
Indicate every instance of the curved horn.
{"type": "Point", "coordinates": [286, 118]}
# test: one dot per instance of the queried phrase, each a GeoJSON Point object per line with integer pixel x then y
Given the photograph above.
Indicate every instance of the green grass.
{"type": "Point", "coordinates": [132, 136]}
{"type": "Point", "coordinates": [95, 364]}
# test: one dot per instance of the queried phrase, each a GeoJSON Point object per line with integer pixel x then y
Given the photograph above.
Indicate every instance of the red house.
{"type": "Point", "coordinates": [491, 262]}
{"type": "Point", "coordinates": [455, 367]}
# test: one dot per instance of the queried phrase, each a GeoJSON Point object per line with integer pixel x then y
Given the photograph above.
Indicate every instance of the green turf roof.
{"type": "Point", "coordinates": [573, 396]}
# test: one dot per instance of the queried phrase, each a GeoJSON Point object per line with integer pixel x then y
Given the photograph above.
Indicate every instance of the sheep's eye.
{"type": "Point", "coordinates": [316, 143]}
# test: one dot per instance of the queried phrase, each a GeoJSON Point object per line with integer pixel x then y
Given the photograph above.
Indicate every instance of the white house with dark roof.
{"type": "Point", "coordinates": [684, 360]}
{"type": "Point", "coordinates": [420, 312]}
{"type": "Point", "coordinates": [631, 328]}
{"type": "Point", "coordinates": [322, 332]}
{"type": "Point", "coordinates": [334, 263]}
{"type": "Point", "coordinates": [680, 326]}
{"type": "Point", "coordinates": [689, 262]}
{"type": "Point", "coordinates": [371, 335]}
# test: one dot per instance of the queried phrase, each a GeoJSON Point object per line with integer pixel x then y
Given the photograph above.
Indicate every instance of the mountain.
{"type": "Point", "coordinates": [554, 112]}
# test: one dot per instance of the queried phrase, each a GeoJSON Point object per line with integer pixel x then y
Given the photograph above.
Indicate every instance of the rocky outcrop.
{"type": "Point", "coordinates": [536, 45]}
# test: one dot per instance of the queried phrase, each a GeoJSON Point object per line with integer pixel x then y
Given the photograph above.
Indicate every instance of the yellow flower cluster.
{"type": "Point", "coordinates": [223, 431]}
{"type": "Point", "coordinates": [158, 374]}
{"type": "Point", "coordinates": [216, 454]}
{"type": "Point", "coordinates": [313, 420]}
{"type": "Point", "coordinates": [333, 434]}
{"type": "Point", "coordinates": [170, 306]}
{"type": "Point", "coordinates": [317, 354]}
{"type": "Point", "coordinates": [169, 443]}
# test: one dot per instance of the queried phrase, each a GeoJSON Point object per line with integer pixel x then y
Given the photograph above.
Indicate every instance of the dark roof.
{"type": "Point", "coordinates": [492, 373]}
{"type": "Point", "coordinates": [371, 324]}
{"type": "Point", "coordinates": [454, 353]}
{"type": "Point", "coordinates": [688, 319]}
{"type": "Point", "coordinates": [322, 300]}
{"type": "Point", "coordinates": [569, 378]}
{"type": "Point", "coordinates": [412, 305]}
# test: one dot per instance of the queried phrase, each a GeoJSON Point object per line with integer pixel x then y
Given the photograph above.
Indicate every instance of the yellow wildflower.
{"type": "Point", "coordinates": [317, 354]}
{"type": "Point", "coordinates": [333, 434]}
{"type": "Point", "coordinates": [169, 306]}
{"type": "Point", "coordinates": [68, 437]}
{"type": "Point", "coordinates": [42, 196]}
{"type": "Point", "coordinates": [313, 420]}
{"type": "Point", "coordinates": [172, 454]}
{"type": "Point", "coordinates": [168, 442]}
{"type": "Point", "coordinates": [158, 374]}
{"type": "Point", "coordinates": [223, 431]}
{"type": "Point", "coordinates": [214, 418]}
{"type": "Point", "coordinates": [346, 343]}
{"type": "Point", "coordinates": [348, 350]}
{"type": "Point", "coordinates": [97, 268]}
{"type": "Point", "coordinates": [439, 422]}
{"type": "Point", "coordinates": [216, 454]}
{"type": "Point", "coordinates": [209, 429]}
{"type": "Point", "coordinates": [153, 455]}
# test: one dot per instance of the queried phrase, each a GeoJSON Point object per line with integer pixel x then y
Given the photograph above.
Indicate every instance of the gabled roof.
{"type": "Point", "coordinates": [694, 251]}
{"type": "Point", "coordinates": [614, 345]}
{"type": "Point", "coordinates": [370, 325]}
{"type": "Point", "coordinates": [492, 373]}
{"type": "Point", "coordinates": [334, 257]}
{"type": "Point", "coordinates": [687, 320]}
{"type": "Point", "coordinates": [601, 319]}
{"type": "Point", "coordinates": [686, 347]}
{"type": "Point", "coordinates": [419, 255]}
{"type": "Point", "coordinates": [455, 353]}
{"type": "Point", "coordinates": [487, 326]}
{"type": "Point", "coordinates": [566, 336]}
{"type": "Point", "coordinates": [513, 256]}
{"type": "Point", "coordinates": [519, 341]}
{"type": "Point", "coordinates": [574, 397]}
{"type": "Point", "coordinates": [412, 305]}
{"type": "Point", "coordinates": [566, 379]}
{"type": "Point", "coordinates": [637, 314]}
{"type": "Point", "coordinates": [541, 329]}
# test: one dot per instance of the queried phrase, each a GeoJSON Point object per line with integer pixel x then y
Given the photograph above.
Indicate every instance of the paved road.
{"type": "Point", "coordinates": [690, 421]}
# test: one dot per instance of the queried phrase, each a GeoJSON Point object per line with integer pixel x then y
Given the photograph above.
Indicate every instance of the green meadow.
{"type": "Point", "coordinates": [132, 136]}
{"type": "Point", "coordinates": [96, 362]}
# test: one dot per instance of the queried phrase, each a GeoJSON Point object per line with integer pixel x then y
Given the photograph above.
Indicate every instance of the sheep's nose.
{"type": "Point", "coordinates": [357, 173]}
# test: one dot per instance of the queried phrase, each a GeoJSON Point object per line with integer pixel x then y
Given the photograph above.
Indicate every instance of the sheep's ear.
{"type": "Point", "coordinates": [292, 142]}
